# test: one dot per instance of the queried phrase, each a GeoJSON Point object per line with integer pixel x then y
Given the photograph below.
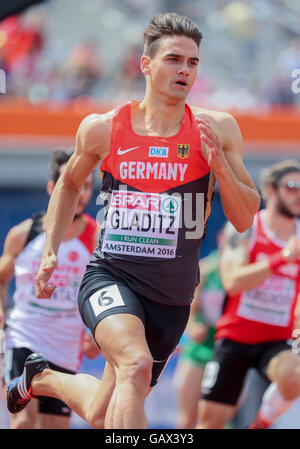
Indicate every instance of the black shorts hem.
{"type": "Point", "coordinates": [104, 294]}
{"type": "Point", "coordinates": [113, 312]}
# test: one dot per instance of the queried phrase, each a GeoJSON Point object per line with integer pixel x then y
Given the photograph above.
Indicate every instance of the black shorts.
{"type": "Point", "coordinates": [14, 360]}
{"type": "Point", "coordinates": [224, 375]}
{"type": "Point", "coordinates": [102, 294]}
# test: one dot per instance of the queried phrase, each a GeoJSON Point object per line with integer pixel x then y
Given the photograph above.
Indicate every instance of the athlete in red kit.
{"type": "Point", "coordinates": [160, 163]}
{"type": "Point", "coordinates": [260, 270]}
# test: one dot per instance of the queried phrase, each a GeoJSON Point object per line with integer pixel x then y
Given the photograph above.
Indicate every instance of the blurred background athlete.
{"type": "Point", "coordinates": [54, 327]}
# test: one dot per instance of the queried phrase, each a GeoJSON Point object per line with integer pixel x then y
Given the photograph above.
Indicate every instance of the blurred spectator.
{"type": "Point", "coordinates": [130, 79]}
{"type": "Point", "coordinates": [81, 71]}
{"type": "Point", "coordinates": [279, 92]}
{"type": "Point", "coordinates": [242, 41]}
{"type": "Point", "coordinates": [21, 46]}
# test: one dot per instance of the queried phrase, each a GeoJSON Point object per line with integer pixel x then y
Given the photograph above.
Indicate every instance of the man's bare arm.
{"type": "Point", "coordinates": [239, 196]}
{"type": "Point", "coordinates": [13, 245]}
{"type": "Point", "coordinates": [92, 145]}
{"type": "Point", "coordinates": [237, 273]}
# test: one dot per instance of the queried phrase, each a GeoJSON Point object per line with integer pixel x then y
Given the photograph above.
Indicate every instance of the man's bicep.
{"type": "Point", "coordinates": [78, 168]}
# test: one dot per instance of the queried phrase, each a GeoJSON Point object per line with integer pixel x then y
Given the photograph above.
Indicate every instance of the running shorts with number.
{"type": "Point", "coordinates": [224, 375]}
{"type": "Point", "coordinates": [103, 293]}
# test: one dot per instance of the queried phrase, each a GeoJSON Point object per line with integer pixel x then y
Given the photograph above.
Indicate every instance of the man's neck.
{"type": "Point", "coordinates": [156, 117]}
{"type": "Point", "coordinates": [282, 227]}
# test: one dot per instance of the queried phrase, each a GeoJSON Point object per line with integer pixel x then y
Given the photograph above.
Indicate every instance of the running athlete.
{"type": "Point", "coordinates": [55, 328]}
{"type": "Point", "coordinates": [197, 349]}
{"type": "Point", "coordinates": [160, 158]}
{"type": "Point", "coordinates": [260, 271]}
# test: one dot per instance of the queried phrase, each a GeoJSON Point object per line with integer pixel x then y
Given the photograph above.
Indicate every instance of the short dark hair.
{"type": "Point", "coordinates": [272, 175]}
{"type": "Point", "coordinates": [169, 24]}
{"type": "Point", "coordinates": [58, 158]}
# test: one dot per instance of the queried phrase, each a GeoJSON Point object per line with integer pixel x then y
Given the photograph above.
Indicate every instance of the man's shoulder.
{"type": "Point", "coordinates": [22, 229]}
{"type": "Point", "coordinates": [99, 121]}
{"type": "Point", "coordinates": [96, 123]}
{"type": "Point", "coordinates": [218, 116]}
{"type": "Point", "coordinates": [94, 132]}
{"type": "Point", "coordinates": [17, 236]}
{"type": "Point", "coordinates": [222, 122]}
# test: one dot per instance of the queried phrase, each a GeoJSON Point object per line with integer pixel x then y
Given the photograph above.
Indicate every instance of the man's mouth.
{"type": "Point", "coordinates": [181, 83]}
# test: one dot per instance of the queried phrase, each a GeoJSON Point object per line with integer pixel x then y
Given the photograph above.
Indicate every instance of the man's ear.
{"type": "Point", "coordinates": [145, 64]}
{"type": "Point", "coordinates": [50, 187]}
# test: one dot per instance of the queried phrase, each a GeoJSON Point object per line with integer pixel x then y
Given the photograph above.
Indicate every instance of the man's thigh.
{"type": "Point", "coordinates": [165, 325]}
{"type": "Point", "coordinates": [102, 295]}
{"type": "Point", "coordinates": [269, 354]}
{"type": "Point", "coordinates": [123, 321]}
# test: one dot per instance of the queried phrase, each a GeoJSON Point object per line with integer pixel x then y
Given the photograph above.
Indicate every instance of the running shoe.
{"type": "Point", "coordinates": [19, 391]}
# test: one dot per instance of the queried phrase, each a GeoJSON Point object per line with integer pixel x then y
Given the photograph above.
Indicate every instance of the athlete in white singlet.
{"type": "Point", "coordinates": [55, 327]}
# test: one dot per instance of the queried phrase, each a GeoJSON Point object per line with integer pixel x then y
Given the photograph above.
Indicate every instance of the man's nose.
{"type": "Point", "coordinates": [184, 69]}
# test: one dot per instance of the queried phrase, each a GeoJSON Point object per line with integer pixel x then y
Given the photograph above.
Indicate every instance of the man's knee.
{"type": "Point", "coordinates": [284, 370]}
{"type": "Point", "coordinates": [96, 421]}
{"type": "Point", "coordinates": [290, 386]}
{"type": "Point", "coordinates": [136, 368]}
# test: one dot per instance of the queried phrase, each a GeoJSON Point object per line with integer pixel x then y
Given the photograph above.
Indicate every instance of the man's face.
{"type": "Point", "coordinates": [288, 195]}
{"type": "Point", "coordinates": [173, 68]}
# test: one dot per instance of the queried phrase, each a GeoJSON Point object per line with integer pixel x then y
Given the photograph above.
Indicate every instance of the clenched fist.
{"type": "Point", "coordinates": [47, 266]}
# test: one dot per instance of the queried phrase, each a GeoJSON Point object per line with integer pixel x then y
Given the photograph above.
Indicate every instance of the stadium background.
{"type": "Point", "coordinates": [62, 60]}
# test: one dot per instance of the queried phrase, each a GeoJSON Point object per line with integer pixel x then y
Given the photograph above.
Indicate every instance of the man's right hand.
{"type": "Point", "coordinates": [47, 266]}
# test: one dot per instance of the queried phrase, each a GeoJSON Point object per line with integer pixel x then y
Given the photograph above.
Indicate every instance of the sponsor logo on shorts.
{"type": "Point", "coordinates": [158, 151]}
{"type": "Point", "coordinates": [105, 299]}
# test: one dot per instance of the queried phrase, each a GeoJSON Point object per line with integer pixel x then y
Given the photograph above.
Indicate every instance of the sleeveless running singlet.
{"type": "Point", "coordinates": [264, 313]}
{"type": "Point", "coordinates": [154, 190]}
{"type": "Point", "coordinates": [51, 326]}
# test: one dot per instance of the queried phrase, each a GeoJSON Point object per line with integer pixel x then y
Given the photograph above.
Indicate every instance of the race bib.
{"type": "Point", "coordinates": [142, 224]}
{"type": "Point", "coordinates": [269, 303]}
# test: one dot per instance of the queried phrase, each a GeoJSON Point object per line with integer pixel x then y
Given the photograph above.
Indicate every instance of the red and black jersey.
{"type": "Point", "coordinates": [266, 312]}
{"type": "Point", "coordinates": [155, 191]}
